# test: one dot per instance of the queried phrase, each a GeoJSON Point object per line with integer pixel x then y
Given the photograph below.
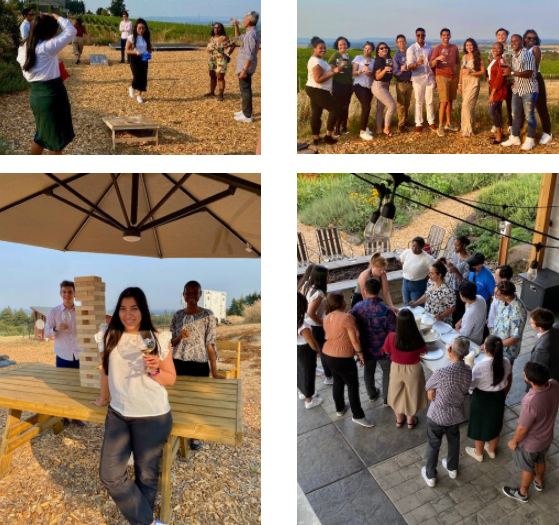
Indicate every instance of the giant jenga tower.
{"type": "Point", "coordinates": [90, 292]}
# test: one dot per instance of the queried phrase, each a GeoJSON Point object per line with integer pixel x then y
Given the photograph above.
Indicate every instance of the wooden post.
{"type": "Point", "coordinates": [547, 192]}
{"type": "Point", "coordinates": [504, 245]}
{"type": "Point", "coordinates": [34, 325]}
{"type": "Point", "coordinates": [12, 420]}
{"type": "Point", "coordinates": [90, 292]}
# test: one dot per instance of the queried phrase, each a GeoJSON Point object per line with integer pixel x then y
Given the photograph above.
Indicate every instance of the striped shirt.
{"type": "Point", "coordinates": [451, 383]}
{"type": "Point", "coordinates": [524, 61]}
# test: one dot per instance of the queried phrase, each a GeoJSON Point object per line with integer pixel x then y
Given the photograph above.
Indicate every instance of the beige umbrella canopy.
{"type": "Point", "coordinates": [202, 215]}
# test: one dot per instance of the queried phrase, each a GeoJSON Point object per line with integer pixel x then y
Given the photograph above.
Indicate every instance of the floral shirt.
{"type": "Point", "coordinates": [374, 321]}
{"type": "Point", "coordinates": [439, 300]}
{"type": "Point", "coordinates": [194, 347]}
{"type": "Point", "coordinates": [510, 322]}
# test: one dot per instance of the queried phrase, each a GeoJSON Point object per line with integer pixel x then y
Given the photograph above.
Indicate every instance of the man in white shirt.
{"type": "Point", "coordinates": [472, 323]}
{"type": "Point", "coordinates": [417, 58]}
{"type": "Point", "coordinates": [125, 29]}
{"type": "Point", "coordinates": [502, 273]}
{"type": "Point", "coordinates": [26, 24]}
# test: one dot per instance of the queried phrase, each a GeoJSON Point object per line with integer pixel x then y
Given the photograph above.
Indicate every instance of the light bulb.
{"type": "Point", "coordinates": [532, 273]}
{"type": "Point", "coordinates": [502, 226]}
{"type": "Point", "coordinates": [383, 227]}
{"type": "Point", "coordinates": [368, 233]}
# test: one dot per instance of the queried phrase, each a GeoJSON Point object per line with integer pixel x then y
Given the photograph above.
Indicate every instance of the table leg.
{"type": "Point", "coordinates": [184, 450]}
{"type": "Point", "coordinates": [167, 462]}
{"type": "Point", "coordinates": [13, 418]}
{"type": "Point", "coordinates": [114, 144]}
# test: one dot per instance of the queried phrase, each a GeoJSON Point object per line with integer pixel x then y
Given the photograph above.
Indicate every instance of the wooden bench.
{"type": "Point", "coordinates": [203, 408]}
{"type": "Point", "coordinates": [229, 350]}
{"type": "Point", "coordinates": [137, 123]}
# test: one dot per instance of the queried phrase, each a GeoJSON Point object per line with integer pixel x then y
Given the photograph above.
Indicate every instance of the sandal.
{"type": "Point", "coordinates": [388, 134]}
{"type": "Point", "coordinates": [400, 424]}
{"type": "Point", "coordinates": [414, 424]}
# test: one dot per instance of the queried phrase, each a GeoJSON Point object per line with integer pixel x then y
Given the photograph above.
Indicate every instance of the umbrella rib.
{"type": "Point", "coordinates": [82, 226]}
{"type": "Point", "coordinates": [87, 201]}
{"type": "Point", "coordinates": [115, 184]}
{"type": "Point", "coordinates": [165, 198]}
{"type": "Point", "coordinates": [221, 221]}
{"type": "Point", "coordinates": [231, 180]}
{"type": "Point", "coordinates": [155, 234]}
{"type": "Point", "coordinates": [134, 198]}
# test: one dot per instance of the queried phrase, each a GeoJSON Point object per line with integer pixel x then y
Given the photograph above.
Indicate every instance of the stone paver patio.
{"type": "Point", "coordinates": [354, 475]}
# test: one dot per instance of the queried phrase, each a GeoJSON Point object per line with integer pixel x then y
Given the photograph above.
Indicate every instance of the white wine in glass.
{"type": "Point", "coordinates": [66, 318]}
{"type": "Point", "coordinates": [149, 340]}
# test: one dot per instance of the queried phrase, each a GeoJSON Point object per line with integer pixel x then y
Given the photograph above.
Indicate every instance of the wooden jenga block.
{"type": "Point", "coordinates": [88, 355]}
{"type": "Point", "coordinates": [90, 287]}
{"type": "Point", "coordinates": [90, 296]}
{"type": "Point", "coordinates": [92, 318]}
{"type": "Point", "coordinates": [87, 279]}
{"type": "Point", "coordinates": [93, 302]}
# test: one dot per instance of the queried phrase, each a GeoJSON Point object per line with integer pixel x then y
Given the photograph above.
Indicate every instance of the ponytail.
{"type": "Point", "coordinates": [378, 260]}
{"type": "Point", "coordinates": [494, 345]}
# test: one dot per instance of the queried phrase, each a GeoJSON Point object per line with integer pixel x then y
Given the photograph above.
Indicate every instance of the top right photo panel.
{"type": "Point", "coordinates": [411, 77]}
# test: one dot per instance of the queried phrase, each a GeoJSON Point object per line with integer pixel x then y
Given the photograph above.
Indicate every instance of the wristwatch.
{"type": "Point", "coordinates": [54, 329]}
{"type": "Point", "coordinates": [156, 373]}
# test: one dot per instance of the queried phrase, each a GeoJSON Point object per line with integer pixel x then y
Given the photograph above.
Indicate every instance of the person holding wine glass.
{"type": "Point", "coordinates": [469, 84]}
{"type": "Point", "coordinates": [194, 348]}
{"type": "Point", "coordinates": [362, 82]}
{"type": "Point", "coordinates": [342, 85]}
{"type": "Point", "coordinates": [403, 85]}
{"type": "Point", "coordinates": [139, 418]}
{"type": "Point", "coordinates": [383, 75]}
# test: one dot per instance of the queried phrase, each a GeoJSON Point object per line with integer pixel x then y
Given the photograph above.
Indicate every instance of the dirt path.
{"type": "Point", "coordinates": [418, 227]}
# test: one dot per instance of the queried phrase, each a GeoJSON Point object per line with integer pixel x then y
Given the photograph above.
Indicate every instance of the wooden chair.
{"type": "Point", "coordinates": [229, 350]}
{"type": "Point", "coordinates": [330, 245]}
{"type": "Point", "coordinates": [448, 250]}
{"type": "Point", "coordinates": [303, 250]}
{"type": "Point", "coordinates": [381, 246]}
{"type": "Point", "coordinates": [435, 239]}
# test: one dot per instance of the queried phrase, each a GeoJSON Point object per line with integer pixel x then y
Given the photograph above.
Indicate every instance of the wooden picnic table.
{"type": "Point", "coordinates": [202, 408]}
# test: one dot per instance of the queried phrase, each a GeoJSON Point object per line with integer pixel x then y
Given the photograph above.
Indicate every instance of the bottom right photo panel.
{"type": "Point", "coordinates": [427, 348]}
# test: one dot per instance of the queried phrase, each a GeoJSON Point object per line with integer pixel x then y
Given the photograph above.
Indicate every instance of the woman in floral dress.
{"type": "Point", "coordinates": [220, 49]}
{"type": "Point", "coordinates": [439, 299]}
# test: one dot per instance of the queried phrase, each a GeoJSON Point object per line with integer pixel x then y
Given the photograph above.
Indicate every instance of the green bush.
{"type": "Point", "coordinates": [332, 208]}
{"type": "Point", "coordinates": [11, 77]}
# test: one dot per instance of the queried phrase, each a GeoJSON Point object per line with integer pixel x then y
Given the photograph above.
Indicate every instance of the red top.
{"type": "Point", "coordinates": [397, 356]}
{"type": "Point", "coordinates": [498, 81]}
{"type": "Point", "coordinates": [80, 30]}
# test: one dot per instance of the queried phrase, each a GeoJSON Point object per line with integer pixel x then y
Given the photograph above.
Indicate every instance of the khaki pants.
{"type": "Point", "coordinates": [403, 99]}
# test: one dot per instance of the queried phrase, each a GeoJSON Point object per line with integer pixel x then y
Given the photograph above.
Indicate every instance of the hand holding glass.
{"type": "Point", "coordinates": [149, 341]}
{"type": "Point", "coordinates": [66, 318]}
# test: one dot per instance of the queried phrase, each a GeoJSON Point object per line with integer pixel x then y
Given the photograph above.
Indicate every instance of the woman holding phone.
{"type": "Point", "coordinates": [362, 84]}
{"type": "Point", "coordinates": [382, 76]}
{"type": "Point", "coordinates": [139, 416]}
{"type": "Point", "coordinates": [342, 87]}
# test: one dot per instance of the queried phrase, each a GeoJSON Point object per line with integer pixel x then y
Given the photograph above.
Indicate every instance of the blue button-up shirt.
{"type": "Point", "coordinates": [485, 282]}
{"type": "Point", "coordinates": [250, 43]}
{"type": "Point", "coordinates": [399, 61]}
{"type": "Point", "coordinates": [374, 321]}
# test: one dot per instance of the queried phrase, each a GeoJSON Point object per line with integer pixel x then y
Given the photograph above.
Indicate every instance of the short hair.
{"type": "Point", "coordinates": [460, 346]}
{"type": "Point", "coordinates": [505, 271]}
{"type": "Point", "coordinates": [372, 286]}
{"type": "Point", "coordinates": [536, 373]}
{"type": "Point", "coordinates": [502, 29]}
{"type": "Point", "coordinates": [506, 288]}
{"type": "Point", "coordinates": [192, 283]}
{"type": "Point", "coordinates": [440, 268]}
{"type": "Point", "coordinates": [26, 11]}
{"type": "Point", "coordinates": [420, 29]}
{"type": "Point", "coordinates": [253, 17]}
{"type": "Point", "coordinates": [401, 36]}
{"type": "Point", "coordinates": [125, 13]}
{"type": "Point", "coordinates": [538, 40]}
{"type": "Point", "coordinates": [519, 36]}
{"type": "Point", "coordinates": [543, 318]}
{"type": "Point", "coordinates": [419, 240]}
{"type": "Point", "coordinates": [334, 301]}
{"type": "Point", "coordinates": [468, 289]}
{"type": "Point", "coordinates": [341, 38]}
{"type": "Point", "coordinates": [67, 283]}
{"type": "Point", "coordinates": [463, 239]}
{"type": "Point", "coordinates": [443, 30]}
{"type": "Point", "coordinates": [500, 44]}
{"type": "Point", "coordinates": [316, 41]}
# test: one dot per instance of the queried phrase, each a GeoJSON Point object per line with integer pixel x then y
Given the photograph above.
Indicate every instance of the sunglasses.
{"type": "Point", "coordinates": [382, 48]}
{"type": "Point", "coordinates": [530, 38]}
{"type": "Point", "coordinates": [420, 34]}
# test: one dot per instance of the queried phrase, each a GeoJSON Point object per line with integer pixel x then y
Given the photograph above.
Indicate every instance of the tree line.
{"type": "Point", "coordinates": [237, 305]}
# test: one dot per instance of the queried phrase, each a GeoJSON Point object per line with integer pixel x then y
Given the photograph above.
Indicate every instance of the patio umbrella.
{"type": "Point", "coordinates": [160, 215]}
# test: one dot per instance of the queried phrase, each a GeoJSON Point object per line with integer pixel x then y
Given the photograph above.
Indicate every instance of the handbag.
{"type": "Point", "coordinates": [64, 75]}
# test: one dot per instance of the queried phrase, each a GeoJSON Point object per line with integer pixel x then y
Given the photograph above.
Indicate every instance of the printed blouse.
{"type": "Point", "coordinates": [195, 346]}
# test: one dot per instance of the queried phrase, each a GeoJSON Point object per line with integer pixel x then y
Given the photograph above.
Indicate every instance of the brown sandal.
{"type": "Point", "coordinates": [414, 424]}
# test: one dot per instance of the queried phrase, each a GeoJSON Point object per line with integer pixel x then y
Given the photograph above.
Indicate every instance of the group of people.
{"type": "Point", "coordinates": [139, 418]}
{"type": "Point", "coordinates": [44, 36]}
{"type": "Point", "coordinates": [484, 309]}
{"type": "Point", "coordinates": [512, 72]}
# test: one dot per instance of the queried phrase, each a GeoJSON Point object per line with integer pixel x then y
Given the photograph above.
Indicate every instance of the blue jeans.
{"type": "Point", "coordinates": [64, 363]}
{"type": "Point", "coordinates": [524, 106]}
{"type": "Point", "coordinates": [413, 290]}
{"type": "Point", "coordinates": [495, 113]}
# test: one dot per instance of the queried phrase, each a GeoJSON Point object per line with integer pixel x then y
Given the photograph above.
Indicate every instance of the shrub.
{"type": "Point", "coordinates": [236, 319]}
{"type": "Point", "coordinates": [252, 313]}
{"type": "Point", "coordinates": [11, 77]}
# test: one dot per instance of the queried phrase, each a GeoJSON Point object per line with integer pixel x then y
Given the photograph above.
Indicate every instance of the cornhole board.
{"type": "Point", "coordinates": [136, 123]}
{"type": "Point", "coordinates": [307, 151]}
{"type": "Point", "coordinates": [162, 47]}
{"type": "Point", "coordinates": [98, 60]}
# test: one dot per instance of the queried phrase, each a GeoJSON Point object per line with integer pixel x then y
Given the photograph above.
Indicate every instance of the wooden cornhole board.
{"type": "Point", "coordinates": [136, 123]}
{"type": "Point", "coordinates": [98, 60]}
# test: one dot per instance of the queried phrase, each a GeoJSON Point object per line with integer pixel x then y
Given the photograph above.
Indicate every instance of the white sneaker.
{"type": "Point", "coordinates": [364, 422]}
{"type": "Point", "coordinates": [430, 482]}
{"type": "Point", "coordinates": [131, 92]}
{"type": "Point", "coordinates": [315, 401]}
{"type": "Point", "coordinates": [365, 136]}
{"type": "Point", "coordinates": [239, 113]}
{"type": "Point", "coordinates": [490, 454]}
{"type": "Point", "coordinates": [328, 381]}
{"type": "Point", "coordinates": [528, 144]}
{"type": "Point", "coordinates": [472, 453]}
{"type": "Point", "coordinates": [242, 118]}
{"type": "Point", "coordinates": [342, 412]}
{"type": "Point", "coordinates": [546, 139]}
{"type": "Point", "coordinates": [494, 129]}
{"type": "Point", "coordinates": [369, 132]}
{"type": "Point", "coordinates": [512, 141]}
{"type": "Point", "coordinates": [303, 396]}
{"type": "Point", "coordinates": [451, 473]}
{"type": "Point", "coordinates": [140, 99]}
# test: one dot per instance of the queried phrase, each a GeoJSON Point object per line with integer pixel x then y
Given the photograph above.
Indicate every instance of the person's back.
{"type": "Point", "coordinates": [375, 321]}
{"type": "Point", "coordinates": [546, 350]}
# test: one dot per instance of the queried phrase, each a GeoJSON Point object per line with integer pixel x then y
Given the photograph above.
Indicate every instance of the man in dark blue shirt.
{"type": "Point", "coordinates": [404, 86]}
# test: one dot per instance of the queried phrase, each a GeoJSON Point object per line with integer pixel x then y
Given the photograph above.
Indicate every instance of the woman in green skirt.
{"type": "Point", "coordinates": [38, 57]}
{"type": "Point", "coordinates": [487, 407]}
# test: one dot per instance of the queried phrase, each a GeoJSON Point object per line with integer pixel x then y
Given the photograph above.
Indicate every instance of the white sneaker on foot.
{"type": "Point", "coordinates": [303, 396]}
{"type": "Point", "coordinates": [364, 422]}
{"type": "Point", "coordinates": [430, 482]}
{"type": "Point", "coordinates": [140, 99]}
{"type": "Point", "coordinates": [365, 136]}
{"type": "Point", "coordinates": [242, 118]}
{"type": "Point", "coordinates": [528, 144]}
{"type": "Point", "coordinates": [546, 139]}
{"type": "Point", "coordinates": [369, 132]}
{"type": "Point", "coordinates": [328, 380]}
{"type": "Point", "coordinates": [490, 454]}
{"type": "Point", "coordinates": [239, 113]}
{"type": "Point", "coordinates": [315, 401]}
{"type": "Point", "coordinates": [472, 453]}
{"type": "Point", "coordinates": [131, 92]}
{"type": "Point", "coordinates": [512, 141]}
{"type": "Point", "coordinates": [494, 129]}
{"type": "Point", "coordinates": [451, 473]}
{"type": "Point", "coordinates": [342, 412]}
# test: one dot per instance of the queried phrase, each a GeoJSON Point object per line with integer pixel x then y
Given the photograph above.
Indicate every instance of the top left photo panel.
{"type": "Point", "coordinates": [118, 77]}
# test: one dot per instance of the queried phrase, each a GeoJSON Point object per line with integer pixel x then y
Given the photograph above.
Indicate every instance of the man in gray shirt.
{"type": "Point", "coordinates": [246, 62]}
{"type": "Point", "coordinates": [472, 323]}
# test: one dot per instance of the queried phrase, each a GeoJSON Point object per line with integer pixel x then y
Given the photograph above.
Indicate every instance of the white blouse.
{"type": "Point", "coordinates": [133, 392]}
{"type": "Point", "coordinates": [300, 339]}
{"type": "Point", "coordinates": [46, 66]}
{"type": "Point", "coordinates": [321, 311]}
{"type": "Point", "coordinates": [482, 376]}
{"type": "Point", "coordinates": [416, 267]}
{"type": "Point", "coordinates": [141, 44]}
{"type": "Point", "coordinates": [314, 61]}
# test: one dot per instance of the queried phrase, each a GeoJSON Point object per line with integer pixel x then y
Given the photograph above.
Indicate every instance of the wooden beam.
{"type": "Point", "coordinates": [12, 420]}
{"type": "Point", "coordinates": [547, 192]}
{"type": "Point", "coordinates": [504, 246]}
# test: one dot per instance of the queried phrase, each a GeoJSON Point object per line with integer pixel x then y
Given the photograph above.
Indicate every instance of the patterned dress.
{"type": "Point", "coordinates": [217, 61]}
{"type": "Point", "coordinates": [510, 322]}
{"type": "Point", "coordinates": [439, 300]}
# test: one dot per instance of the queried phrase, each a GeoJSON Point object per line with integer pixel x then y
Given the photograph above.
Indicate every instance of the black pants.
{"type": "Point", "coordinates": [245, 85]}
{"type": "Point", "coordinates": [191, 368]}
{"type": "Point", "coordinates": [344, 372]}
{"type": "Point", "coordinates": [139, 73]}
{"type": "Point", "coordinates": [434, 439]}
{"type": "Point", "coordinates": [123, 49]}
{"type": "Point", "coordinates": [306, 370]}
{"type": "Point", "coordinates": [342, 93]}
{"type": "Point", "coordinates": [365, 96]}
{"type": "Point", "coordinates": [369, 376]}
{"type": "Point", "coordinates": [485, 327]}
{"type": "Point", "coordinates": [145, 437]}
{"type": "Point", "coordinates": [320, 338]}
{"type": "Point", "coordinates": [460, 309]}
{"type": "Point", "coordinates": [322, 99]}
{"type": "Point", "coordinates": [541, 105]}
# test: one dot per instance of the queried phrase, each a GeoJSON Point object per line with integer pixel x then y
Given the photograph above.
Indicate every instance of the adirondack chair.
{"type": "Point", "coordinates": [330, 245]}
{"type": "Point", "coordinates": [303, 252]}
{"type": "Point", "coordinates": [381, 246]}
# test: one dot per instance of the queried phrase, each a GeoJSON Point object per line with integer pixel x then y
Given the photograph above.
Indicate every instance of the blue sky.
{"type": "Point", "coordinates": [475, 18]}
{"type": "Point", "coordinates": [144, 8]}
{"type": "Point", "coordinates": [30, 276]}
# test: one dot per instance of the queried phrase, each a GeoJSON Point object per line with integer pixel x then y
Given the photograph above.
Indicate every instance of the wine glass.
{"type": "Point", "coordinates": [187, 321]}
{"type": "Point", "coordinates": [66, 318]}
{"type": "Point", "coordinates": [149, 340]}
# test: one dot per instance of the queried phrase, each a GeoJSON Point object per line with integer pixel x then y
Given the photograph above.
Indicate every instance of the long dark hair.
{"type": "Point", "coordinates": [221, 29]}
{"type": "Point", "coordinates": [408, 337]}
{"type": "Point", "coordinates": [494, 345]}
{"type": "Point", "coordinates": [146, 36]}
{"type": "Point", "coordinates": [116, 328]}
{"type": "Point", "coordinates": [318, 280]}
{"type": "Point", "coordinates": [305, 277]}
{"type": "Point", "coordinates": [475, 52]}
{"type": "Point", "coordinates": [537, 42]}
{"type": "Point", "coordinates": [42, 28]}
{"type": "Point", "coordinates": [302, 305]}
{"type": "Point", "coordinates": [380, 44]}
